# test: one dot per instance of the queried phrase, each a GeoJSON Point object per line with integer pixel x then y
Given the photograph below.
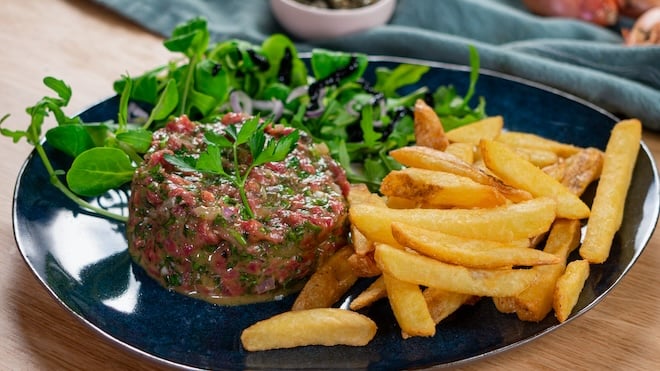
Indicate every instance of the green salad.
{"type": "Point", "coordinates": [324, 95]}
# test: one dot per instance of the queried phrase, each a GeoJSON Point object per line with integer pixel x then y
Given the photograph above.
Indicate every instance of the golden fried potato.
{"type": "Point", "coordinates": [361, 245]}
{"type": "Point", "coordinates": [526, 140]}
{"type": "Point", "coordinates": [488, 128]}
{"type": "Point", "coordinates": [328, 283]}
{"type": "Point", "coordinates": [425, 271]}
{"type": "Point", "coordinates": [370, 295]}
{"type": "Point", "coordinates": [364, 265]}
{"type": "Point", "coordinates": [442, 303]}
{"type": "Point", "coordinates": [608, 205]}
{"type": "Point", "coordinates": [569, 286]}
{"type": "Point", "coordinates": [430, 159]}
{"type": "Point", "coordinates": [463, 151]}
{"type": "Point", "coordinates": [518, 172]}
{"type": "Point", "coordinates": [538, 157]}
{"type": "Point", "coordinates": [409, 307]}
{"type": "Point", "coordinates": [582, 169]}
{"type": "Point", "coordinates": [474, 253]}
{"type": "Point", "coordinates": [360, 194]}
{"type": "Point", "coordinates": [505, 223]}
{"type": "Point", "coordinates": [319, 326]}
{"type": "Point", "coordinates": [401, 203]}
{"type": "Point", "coordinates": [440, 189]}
{"type": "Point", "coordinates": [429, 131]}
{"type": "Point", "coordinates": [535, 302]}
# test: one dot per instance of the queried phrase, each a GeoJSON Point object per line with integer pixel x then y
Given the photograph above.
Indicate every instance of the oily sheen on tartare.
{"type": "Point", "coordinates": [188, 230]}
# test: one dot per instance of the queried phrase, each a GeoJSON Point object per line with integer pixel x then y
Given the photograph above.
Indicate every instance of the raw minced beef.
{"type": "Point", "coordinates": [190, 232]}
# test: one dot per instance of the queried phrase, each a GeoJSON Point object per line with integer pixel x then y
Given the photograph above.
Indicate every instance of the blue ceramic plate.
{"type": "Point", "coordinates": [83, 261]}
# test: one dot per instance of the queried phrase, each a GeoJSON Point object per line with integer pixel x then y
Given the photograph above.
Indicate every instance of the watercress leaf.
{"type": "Point", "coordinates": [98, 170]}
{"type": "Point", "coordinates": [70, 139]}
{"type": "Point", "coordinates": [60, 88]}
{"type": "Point", "coordinates": [212, 79]}
{"type": "Point", "coordinates": [202, 103]}
{"type": "Point", "coordinates": [16, 135]}
{"type": "Point", "coordinates": [190, 38]}
{"type": "Point", "coordinates": [122, 116]}
{"type": "Point", "coordinates": [167, 102]}
{"type": "Point", "coordinates": [139, 139]}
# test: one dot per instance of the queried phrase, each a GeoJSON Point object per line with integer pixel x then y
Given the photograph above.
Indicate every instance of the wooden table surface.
{"type": "Point", "coordinates": [89, 47]}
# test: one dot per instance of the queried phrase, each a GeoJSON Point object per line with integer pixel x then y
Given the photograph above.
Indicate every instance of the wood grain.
{"type": "Point", "coordinates": [88, 46]}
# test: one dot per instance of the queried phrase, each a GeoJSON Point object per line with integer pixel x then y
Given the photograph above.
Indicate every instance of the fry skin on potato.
{"type": "Point", "coordinates": [517, 139]}
{"type": "Point", "coordinates": [609, 201]}
{"type": "Point", "coordinates": [429, 131]}
{"type": "Point", "coordinates": [425, 271]}
{"type": "Point", "coordinates": [569, 286]}
{"type": "Point", "coordinates": [488, 128]}
{"type": "Point", "coordinates": [409, 307]}
{"type": "Point", "coordinates": [472, 253]}
{"type": "Point", "coordinates": [535, 302]}
{"type": "Point", "coordinates": [370, 295]}
{"type": "Point", "coordinates": [442, 303]}
{"type": "Point", "coordinates": [463, 151]}
{"type": "Point", "coordinates": [440, 189]}
{"type": "Point", "coordinates": [319, 326]}
{"type": "Point", "coordinates": [518, 172]}
{"type": "Point", "coordinates": [330, 281]}
{"type": "Point", "coordinates": [504, 223]}
{"type": "Point", "coordinates": [430, 159]}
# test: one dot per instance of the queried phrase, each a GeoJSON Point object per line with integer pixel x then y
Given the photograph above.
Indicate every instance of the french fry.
{"type": "Point", "coordinates": [425, 271]}
{"type": "Point", "coordinates": [361, 245]}
{"type": "Point", "coordinates": [442, 303]}
{"type": "Point", "coordinates": [360, 194]}
{"type": "Point", "coordinates": [472, 253]}
{"type": "Point", "coordinates": [363, 265]}
{"type": "Point", "coordinates": [463, 151]}
{"type": "Point", "coordinates": [328, 283]}
{"type": "Point", "coordinates": [430, 159]}
{"type": "Point", "coordinates": [401, 203]}
{"type": "Point", "coordinates": [526, 140]}
{"type": "Point", "coordinates": [488, 128]}
{"type": "Point", "coordinates": [370, 295]}
{"type": "Point", "coordinates": [505, 223]}
{"type": "Point", "coordinates": [518, 172]}
{"type": "Point", "coordinates": [409, 307]}
{"type": "Point", "coordinates": [319, 326]}
{"type": "Point", "coordinates": [609, 201]}
{"type": "Point", "coordinates": [535, 302]}
{"type": "Point", "coordinates": [440, 189]}
{"type": "Point", "coordinates": [539, 157]}
{"type": "Point", "coordinates": [569, 286]}
{"type": "Point", "coordinates": [582, 169]}
{"type": "Point", "coordinates": [428, 128]}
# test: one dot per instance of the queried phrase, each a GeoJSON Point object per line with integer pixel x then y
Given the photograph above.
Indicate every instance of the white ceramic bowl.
{"type": "Point", "coordinates": [314, 23]}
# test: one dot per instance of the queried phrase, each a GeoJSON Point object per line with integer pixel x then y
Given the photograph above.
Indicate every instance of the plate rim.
{"type": "Point", "coordinates": [122, 345]}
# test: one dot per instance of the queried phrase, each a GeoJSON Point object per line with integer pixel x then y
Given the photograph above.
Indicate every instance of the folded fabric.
{"type": "Point", "coordinates": [579, 58]}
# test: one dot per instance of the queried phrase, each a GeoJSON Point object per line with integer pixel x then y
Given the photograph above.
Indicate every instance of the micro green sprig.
{"type": "Point", "coordinates": [251, 133]}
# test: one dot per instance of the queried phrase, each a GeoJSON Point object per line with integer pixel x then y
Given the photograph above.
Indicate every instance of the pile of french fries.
{"type": "Point", "coordinates": [477, 212]}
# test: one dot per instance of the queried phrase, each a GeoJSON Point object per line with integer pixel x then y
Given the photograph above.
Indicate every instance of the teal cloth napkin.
{"type": "Point", "coordinates": [585, 60]}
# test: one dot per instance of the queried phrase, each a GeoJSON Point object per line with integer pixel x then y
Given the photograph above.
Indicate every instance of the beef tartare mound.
{"type": "Point", "coordinates": [190, 231]}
